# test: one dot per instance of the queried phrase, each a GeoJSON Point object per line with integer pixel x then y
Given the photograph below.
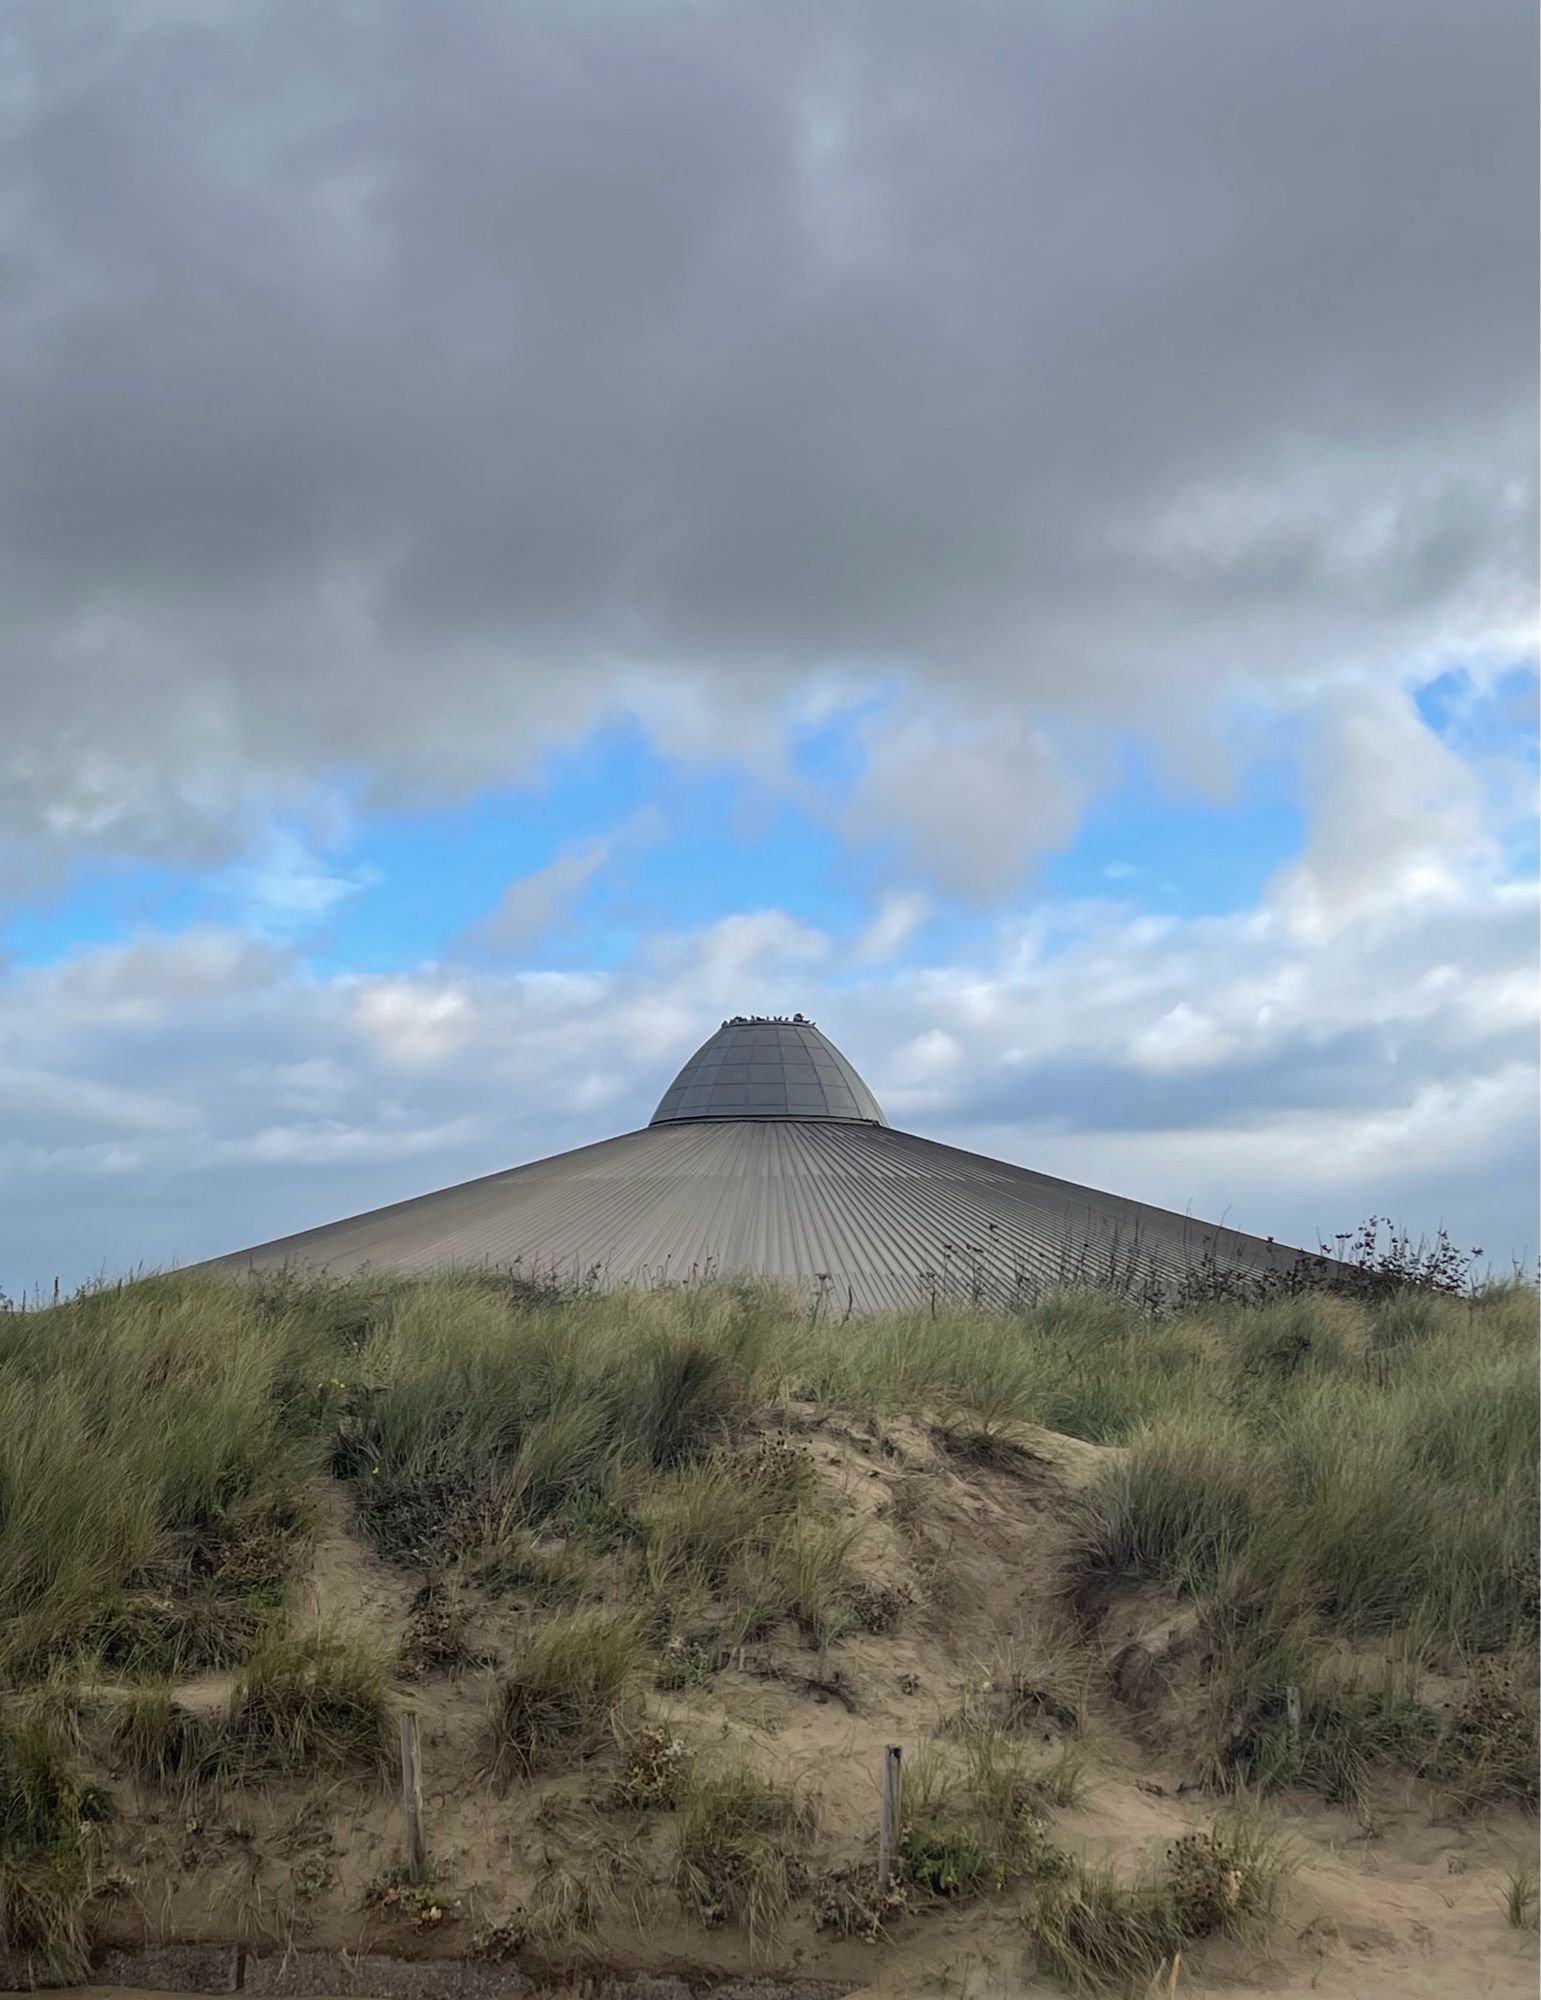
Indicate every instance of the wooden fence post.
{"type": "Point", "coordinates": [412, 1798]}
{"type": "Point", "coordinates": [888, 1823]}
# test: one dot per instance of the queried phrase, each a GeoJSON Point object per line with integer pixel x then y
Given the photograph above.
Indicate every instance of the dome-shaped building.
{"type": "Point", "coordinates": [769, 1155]}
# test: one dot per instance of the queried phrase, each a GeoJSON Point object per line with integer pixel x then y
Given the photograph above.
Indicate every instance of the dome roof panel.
{"type": "Point", "coordinates": [773, 1068]}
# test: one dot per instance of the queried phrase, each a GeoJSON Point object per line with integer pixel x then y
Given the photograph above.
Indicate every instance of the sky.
{"type": "Point", "coordinates": [529, 527]}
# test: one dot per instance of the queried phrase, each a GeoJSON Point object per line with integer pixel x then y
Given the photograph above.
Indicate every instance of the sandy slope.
{"type": "Point", "coordinates": [1404, 1906]}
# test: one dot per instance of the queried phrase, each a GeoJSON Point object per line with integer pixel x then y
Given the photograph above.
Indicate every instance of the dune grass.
{"type": "Point", "coordinates": [1350, 1475]}
{"type": "Point", "coordinates": [1316, 1473]}
{"type": "Point", "coordinates": [742, 1840]}
{"type": "Point", "coordinates": [1096, 1933]}
{"type": "Point", "coordinates": [313, 1704]}
{"type": "Point", "coordinates": [563, 1694]}
{"type": "Point", "coordinates": [50, 1816]}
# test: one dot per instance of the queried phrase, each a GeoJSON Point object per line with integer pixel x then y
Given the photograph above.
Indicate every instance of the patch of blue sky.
{"type": "Point", "coordinates": [411, 882]}
{"type": "Point", "coordinates": [721, 843]}
{"type": "Point", "coordinates": [103, 904]}
{"type": "Point", "coordinates": [1145, 842]}
{"type": "Point", "coordinates": [1485, 714]}
{"type": "Point", "coordinates": [1493, 721]}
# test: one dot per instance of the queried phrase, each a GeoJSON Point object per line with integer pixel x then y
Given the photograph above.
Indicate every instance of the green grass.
{"type": "Point", "coordinates": [303, 1705]}
{"type": "Point", "coordinates": [1315, 1473]}
{"type": "Point", "coordinates": [1520, 1899]}
{"type": "Point", "coordinates": [562, 1695]}
{"type": "Point", "coordinates": [311, 1704]}
{"type": "Point", "coordinates": [149, 1438]}
{"type": "Point", "coordinates": [737, 1539]}
{"type": "Point", "coordinates": [162, 1744]}
{"type": "Point", "coordinates": [1346, 1474]}
{"type": "Point", "coordinates": [50, 1814]}
{"type": "Point", "coordinates": [965, 1832]}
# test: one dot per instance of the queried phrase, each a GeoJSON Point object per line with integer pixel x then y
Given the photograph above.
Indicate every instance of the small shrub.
{"type": "Point", "coordinates": [742, 1840]}
{"type": "Point", "coordinates": [851, 1902]}
{"type": "Point", "coordinates": [560, 1696]}
{"type": "Point", "coordinates": [970, 1834]}
{"type": "Point", "coordinates": [423, 1904]}
{"type": "Point", "coordinates": [497, 1942]}
{"type": "Point", "coordinates": [878, 1607]}
{"type": "Point", "coordinates": [653, 1768]}
{"type": "Point", "coordinates": [1489, 1751]}
{"type": "Point", "coordinates": [686, 1663]}
{"type": "Point", "coordinates": [1210, 1882]}
{"type": "Point", "coordinates": [435, 1639]}
{"type": "Point", "coordinates": [939, 1854]}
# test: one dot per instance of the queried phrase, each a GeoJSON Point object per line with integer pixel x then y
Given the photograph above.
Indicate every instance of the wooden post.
{"type": "Point", "coordinates": [412, 1798]}
{"type": "Point", "coordinates": [1292, 1711]}
{"type": "Point", "coordinates": [888, 1823]}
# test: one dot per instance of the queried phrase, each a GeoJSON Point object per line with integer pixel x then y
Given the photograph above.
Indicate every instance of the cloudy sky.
{"type": "Point", "coordinates": [529, 526]}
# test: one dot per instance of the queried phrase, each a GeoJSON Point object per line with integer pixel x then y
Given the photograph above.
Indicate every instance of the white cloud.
{"type": "Point", "coordinates": [545, 899]}
{"type": "Point", "coordinates": [1396, 816]}
{"type": "Point", "coordinates": [899, 916]}
{"type": "Point", "coordinates": [1183, 1038]}
{"type": "Point", "coordinates": [967, 792]}
{"type": "Point", "coordinates": [285, 888]}
{"type": "Point", "coordinates": [415, 1020]}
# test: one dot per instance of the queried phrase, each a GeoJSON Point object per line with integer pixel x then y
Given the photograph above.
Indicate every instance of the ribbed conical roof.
{"type": "Point", "coordinates": [758, 1068]}
{"type": "Point", "coordinates": [770, 1156]}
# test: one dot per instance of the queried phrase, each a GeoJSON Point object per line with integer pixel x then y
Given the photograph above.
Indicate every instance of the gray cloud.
{"type": "Point", "coordinates": [398, 388]}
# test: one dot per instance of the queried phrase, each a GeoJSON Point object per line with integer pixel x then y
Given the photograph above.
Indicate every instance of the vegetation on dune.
{"type": "Point", "coordinates": [1353, 1475]}
{"type": "Point", "coordinates": [564, 1692]}
{"type": "Point", "coordinates": [742, 1845]}
{"type": "Point", "coordinates": [1094, 1932]}
{"type": "Point", "coordinates": [1342, 1488]}
{"type": "Point", "coordinates": [50, 1817]}
{"type": "Point", "coordinates": [302, 1705]}
{"type": "Point", "coordinates": [1375, 1459]}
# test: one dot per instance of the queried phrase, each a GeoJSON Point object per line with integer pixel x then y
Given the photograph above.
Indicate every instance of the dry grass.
{"type": "Point", "coordinates": [1351, 1473]}
{"type": "Point", "coordinates": [742, 1845]}
{"type": "Point", "coordinates": [1095, 1933]}
{"type": "Point", "coordinates": [308, 1705]}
